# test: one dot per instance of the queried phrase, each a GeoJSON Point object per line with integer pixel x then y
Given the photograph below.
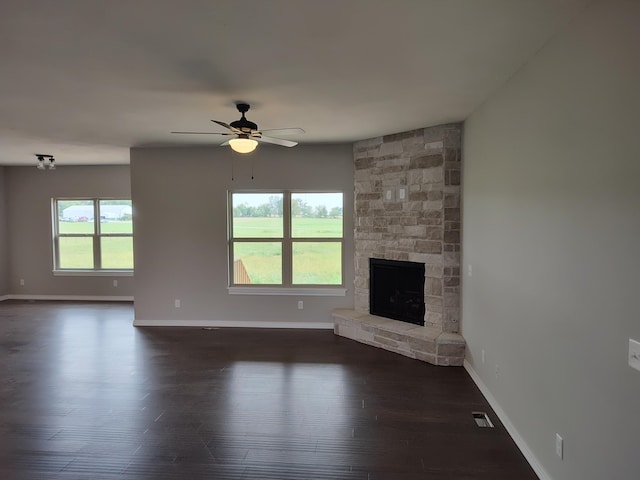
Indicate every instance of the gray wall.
{"type": "Point", "coordinates": [29, 194]}
{"type": "Point", "coordinates": [552, 230]}
{"type": "Point", "coordinates": [4, 249]}
{"type": "Point", "coordinates": [180, 222]}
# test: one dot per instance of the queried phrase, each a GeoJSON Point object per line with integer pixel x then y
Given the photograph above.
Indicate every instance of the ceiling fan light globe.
{"type": "Point", "coordinates": [243, 145]}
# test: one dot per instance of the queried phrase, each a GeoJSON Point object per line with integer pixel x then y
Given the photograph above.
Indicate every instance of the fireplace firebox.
{"type": "Point", "coordinates": [396, 290]}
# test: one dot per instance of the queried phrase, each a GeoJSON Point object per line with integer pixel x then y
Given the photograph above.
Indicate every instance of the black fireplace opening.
{"type": "Point", "coordinates": [396, 290]}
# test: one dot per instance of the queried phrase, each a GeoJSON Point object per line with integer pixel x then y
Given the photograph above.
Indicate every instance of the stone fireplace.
{"type": "Point", "coordinates": [407, 208]}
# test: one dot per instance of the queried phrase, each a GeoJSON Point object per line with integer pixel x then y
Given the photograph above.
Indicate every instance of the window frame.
{"type": "Point", "coordinates": [287, 287]}
{"type": "Point", "coordinates": [96, 237]}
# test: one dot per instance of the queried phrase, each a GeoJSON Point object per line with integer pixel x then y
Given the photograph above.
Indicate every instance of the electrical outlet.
{"type": "Point", "coordinates": [115, 283]}
{"type": "Point", "coordinates": [469, 270]}
{"type": "Point", "coordinates": [634, 354]}
{"type": "Point", "coordinates": [559, 446]}
{"type": "Point", "coordinates": [498, 372]}
{"type": "Point", "coordinates": [22, 282]}
{"type": "Point", "coordinates": [402, 193]}
{"type": "Point", "coordinates": [177, 303]}
{"type": "Point", "coordinates": [300, 304]}
{"type": "Point", "coordinates": [483, 355]}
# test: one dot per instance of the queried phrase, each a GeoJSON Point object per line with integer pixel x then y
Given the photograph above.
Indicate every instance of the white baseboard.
{"type": "Point", "coordinates": [231, 323]}
{"type": "Point", "coordinates": [519, 441]}
{"type": "Point", "coordinates": [78, 298]}
{"type": "Point", "coordinates": [4, 297]}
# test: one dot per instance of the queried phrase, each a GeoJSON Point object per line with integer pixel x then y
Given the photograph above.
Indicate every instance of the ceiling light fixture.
{"type": "Point", "coordinates": [45, 161]}
{"type": "Point", "coordinates": [243, 144]}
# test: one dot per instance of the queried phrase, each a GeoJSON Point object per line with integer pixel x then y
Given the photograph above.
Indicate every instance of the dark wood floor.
{"type": "Point", "coordinates": [85, 395]}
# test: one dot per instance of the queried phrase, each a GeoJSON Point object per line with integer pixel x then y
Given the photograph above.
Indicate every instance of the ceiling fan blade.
{"type": "Point", "coordinates": [205, 133]}
{"type": "Point", "coordinates": [226, 125]}
{"type": "Point", "coordinates": [284, 131]}
{"type": "Point", "coordinates": [276, 141]}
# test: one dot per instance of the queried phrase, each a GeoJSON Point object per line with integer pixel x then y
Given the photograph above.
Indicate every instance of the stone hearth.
{"type": "Point", "coordinates": [428, 344]}
{"type": "Point", "coordinates": [407, 207]}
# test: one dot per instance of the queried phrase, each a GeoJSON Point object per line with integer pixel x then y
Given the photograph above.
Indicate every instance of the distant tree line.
{"type": "Point", "coordinates": [273, 208]}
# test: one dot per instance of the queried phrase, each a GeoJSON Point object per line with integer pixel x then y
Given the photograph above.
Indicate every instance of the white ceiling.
{"type": "Point", "coordinates": [85, 80]}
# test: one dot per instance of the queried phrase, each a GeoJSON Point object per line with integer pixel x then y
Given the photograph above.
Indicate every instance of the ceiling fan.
{"type": "Point", "coordinates": [246, 134]}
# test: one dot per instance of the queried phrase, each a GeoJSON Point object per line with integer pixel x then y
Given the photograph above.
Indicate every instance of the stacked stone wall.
{"type": "Point", "coordinates": [407, 207]}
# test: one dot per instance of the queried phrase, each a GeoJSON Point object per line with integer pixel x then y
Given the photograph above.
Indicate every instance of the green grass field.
{"type": "Point", "coordinates": [314, 263]}
{"type": "Point", "coordinates": [87, 227]}
{"type": "Point", "coordinates": [271, 227]}
{"type": "Point", "coordinates": [77, 252]}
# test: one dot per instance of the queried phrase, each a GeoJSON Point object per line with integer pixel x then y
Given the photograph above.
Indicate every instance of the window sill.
{"type": "Point", "coordinates": [311, 292]}
{"type": "Point", "coordinates": [93, 273]}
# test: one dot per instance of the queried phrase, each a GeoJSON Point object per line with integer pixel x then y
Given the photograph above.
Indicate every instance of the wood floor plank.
{"type": "Point", "coordinates": [85, 394]}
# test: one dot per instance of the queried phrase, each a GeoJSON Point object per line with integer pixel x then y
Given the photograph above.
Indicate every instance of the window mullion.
{"type": "Point", "coordinates": [287, 252]}
{"type": "Point", "coordinates": [97, 255]}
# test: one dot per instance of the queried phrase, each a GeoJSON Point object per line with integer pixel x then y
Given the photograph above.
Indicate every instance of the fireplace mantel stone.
{"type": "Point", "coordinates": [429, 344]}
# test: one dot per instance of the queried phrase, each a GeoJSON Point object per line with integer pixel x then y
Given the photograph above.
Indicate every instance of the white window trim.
{"type": "Point", "coordinates": [298, 292]}
{"type": "Point", "coordinates": [92, 273]}
{"type": "Point", "coordinates": [85, 272]}
{"type": "Point", "coordinates": [286, 240]}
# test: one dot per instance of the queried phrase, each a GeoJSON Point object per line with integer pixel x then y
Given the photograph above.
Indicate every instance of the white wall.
{"type": "Point", "coordinates": [28, 195]}
{"type": "Point", "coordinates": [552, 230]}
{"type": "Point", "coordinates": [180, 224]}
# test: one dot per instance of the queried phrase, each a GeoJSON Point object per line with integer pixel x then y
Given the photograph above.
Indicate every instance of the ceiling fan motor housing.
{"type": "Point", "coordinates": [244, 124]}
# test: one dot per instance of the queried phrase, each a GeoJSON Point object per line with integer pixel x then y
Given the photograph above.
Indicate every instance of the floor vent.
{"type": "Point", "coordinates": [482, 419]}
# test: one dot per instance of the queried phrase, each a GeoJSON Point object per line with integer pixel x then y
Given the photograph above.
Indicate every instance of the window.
{"type": "Point", "coordinates": [92, 235]}
{"type": "Point", "coordinates": [286, 239]}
